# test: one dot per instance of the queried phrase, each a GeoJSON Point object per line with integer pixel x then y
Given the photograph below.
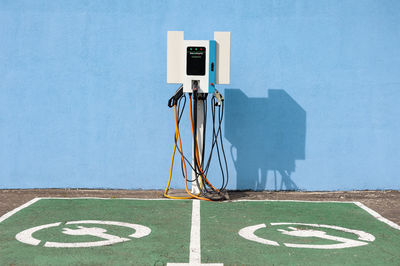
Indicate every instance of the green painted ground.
{"type": "Point", "coordinates": [168, 242]}
{"type": "Point", "coordinates": [170, 224]}
{"type": "Point", "coordinates": [221, 222]}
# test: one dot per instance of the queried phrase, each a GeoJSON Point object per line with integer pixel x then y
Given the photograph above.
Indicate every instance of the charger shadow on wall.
{"type": "Point", "coordinates": [267, 137]}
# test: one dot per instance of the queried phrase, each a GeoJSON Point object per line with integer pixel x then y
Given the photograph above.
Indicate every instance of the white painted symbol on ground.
{"type": "Point", "coordinates": [249, 234]}
{"type": "Point", "coordinates": [195, 252]}
{"type": "Point", "coordinates": [107, 239]}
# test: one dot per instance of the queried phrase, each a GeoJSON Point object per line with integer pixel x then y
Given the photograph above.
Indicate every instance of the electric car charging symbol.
{"type": "Point", "coordinates": [342, 242]}
{"type": "Point", "coordinates": [106, 239]}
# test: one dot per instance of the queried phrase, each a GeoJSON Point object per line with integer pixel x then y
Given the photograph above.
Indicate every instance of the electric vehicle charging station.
{"type": "Point", "coordinates": [199, 65]}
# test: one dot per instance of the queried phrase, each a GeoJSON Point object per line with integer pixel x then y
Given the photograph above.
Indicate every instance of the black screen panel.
{"type": "Point", "coordinates": [196, 61]}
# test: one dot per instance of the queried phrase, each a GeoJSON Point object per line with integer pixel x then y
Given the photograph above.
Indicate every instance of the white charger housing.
{"type": "Point", "coordinates": [198, 64]}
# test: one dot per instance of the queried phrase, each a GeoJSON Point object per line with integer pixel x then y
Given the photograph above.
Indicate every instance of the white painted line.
{"type": "Point", "coordinates": [244, 200]}
{"type": "Point", "coordinates": [100, 198]}
{"type": "Point", "coordinates": [195, 247]}
{"type": "Point", "coordinates": [10, 213]}
{"type": "Point", "coordinates": [377, 216]}
{"type": "Point", "coordinates": [301, 201]}
{"type": "Point", "coordinates": [194, 255]}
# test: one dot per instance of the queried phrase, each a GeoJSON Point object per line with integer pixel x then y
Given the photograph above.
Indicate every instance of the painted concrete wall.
{"type": "Point", "coordinates": [312, 105]}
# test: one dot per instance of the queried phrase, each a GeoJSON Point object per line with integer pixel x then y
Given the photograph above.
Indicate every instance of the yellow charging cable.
{"type": "Point", "coordinates": [177, 134]}
{"type": "Point", "coordinates": [170, 175]}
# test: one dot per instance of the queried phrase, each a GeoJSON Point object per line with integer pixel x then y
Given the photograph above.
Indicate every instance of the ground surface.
{"type": "Point", "coordinates": [387, 203]}
{"type": "Point", "coordinates": [112, 231]}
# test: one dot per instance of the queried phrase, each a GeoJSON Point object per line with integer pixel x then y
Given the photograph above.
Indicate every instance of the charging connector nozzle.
{"type": "Point", "coordinates": [174, 99]}
{"type": "Point", "coordinates": [219, 97]}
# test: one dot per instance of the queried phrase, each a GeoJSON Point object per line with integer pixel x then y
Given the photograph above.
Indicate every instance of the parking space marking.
{"type": "Point", "coordinates": [140, 231]}
{"type": "Point", "coordinates": [10, 213]}
{"type": "Point", "coordinates": [195, 250]}
{"type": "Point", "coordinates": [378, 216]}
{"type": "Point", "coordinates": [249, 234]}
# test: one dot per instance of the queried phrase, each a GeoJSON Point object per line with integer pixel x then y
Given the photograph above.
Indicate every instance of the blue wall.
{"type": "Point", "coordinates": [312, 104]}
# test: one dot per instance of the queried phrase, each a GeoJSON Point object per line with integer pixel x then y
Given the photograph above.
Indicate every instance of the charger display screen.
{"type": "Point", "coordinates": [196, 61]}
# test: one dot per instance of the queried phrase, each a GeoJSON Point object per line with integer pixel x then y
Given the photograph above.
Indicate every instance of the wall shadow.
{"type": "Point", "coordinates": [267, 137]}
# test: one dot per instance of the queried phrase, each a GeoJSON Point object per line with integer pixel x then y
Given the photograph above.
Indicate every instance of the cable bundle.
{"type": "Point", "coordinates": [207, 190]}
